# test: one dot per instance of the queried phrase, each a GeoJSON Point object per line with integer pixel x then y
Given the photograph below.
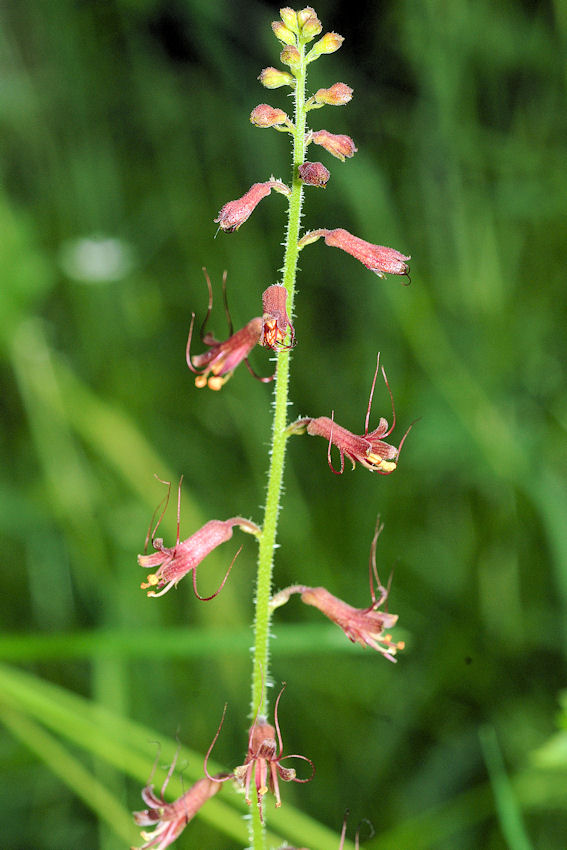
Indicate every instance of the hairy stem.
{"type": "Point", "coordinates": [261, 671]}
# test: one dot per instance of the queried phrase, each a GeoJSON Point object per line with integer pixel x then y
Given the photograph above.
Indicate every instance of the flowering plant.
{"type": "Point", "coordinates": [274, 329]}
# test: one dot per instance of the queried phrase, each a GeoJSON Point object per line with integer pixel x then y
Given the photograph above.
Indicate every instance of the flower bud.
{"type": "Point", "coordinates": [314, 174]}
{"type": "Point", "coordinates": [235, 213]}
{"type": "Point", "coordinates": [337, 95]}
{"type": "Point", "coordinates": [282, 33]}
{"type": "Point", "coordinates": [289, 17]}
{"type": "Point", "coordinates": [309, 23]}
{"type": "Point", "coordinates": [378, 258]}
{"type": "Point", "coordinates": [338, 145]}
{"type": "Point", "coordinates": [330, 42]}
{"type": "Point", "coordinates": [273, 78]}
{"type": "Point", "coordinates": [304, 15]}
{"type": "Point", "coordinates": [275, 320]}
{"type": "Point", "coordinates": [265, 115]}
{"type": "Point", "coordinates": [290, 56]}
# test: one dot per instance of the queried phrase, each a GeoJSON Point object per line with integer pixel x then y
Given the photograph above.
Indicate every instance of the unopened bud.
{"type": "Point", "coordinates": [339, 145]}
{"type": "Point", "coordinates": [273, 78]}
{"type": "Point", "coordinates": [330, 42]}
{"type": "Point", "coordinates": [265, 115]}
{"type": "Point", "coordinates": [337, 95]}
{"type": "Point", "coordinates": [282, 33]}
{"type": "Point", "coordinates": [289, 17]}
{"type": "Point", "coordinates": [314, 174]}
{"type": "Point", "coordinates": [276, 322]}
{"type": "Point", "coordinates": [235, 213]}
{"type": "Point", "coordinates": [290, 56]}
{"type": "Point", "coordinates": [304, 15]}
{"type": "Point", "coordinates": [311, 27]}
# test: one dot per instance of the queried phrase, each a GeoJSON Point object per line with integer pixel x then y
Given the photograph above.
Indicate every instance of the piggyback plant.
{"type": "Point", "coordinates": [263, 769]}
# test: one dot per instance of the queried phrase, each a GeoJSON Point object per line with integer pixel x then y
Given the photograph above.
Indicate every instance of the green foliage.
{"type": "Point", "coordinates": [129, 122]}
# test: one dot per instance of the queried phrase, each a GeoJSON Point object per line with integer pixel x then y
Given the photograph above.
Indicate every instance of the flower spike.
{"type": "Point", "coordinates": [368, 449]}
{"type": "Point", "coordinates": [222, 358]}
{"type": "Point", "coordinates": [176, 561]}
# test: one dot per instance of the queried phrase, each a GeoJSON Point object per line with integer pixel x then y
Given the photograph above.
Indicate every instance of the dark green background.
{"type": "Point", "coordinates": [128, 120]}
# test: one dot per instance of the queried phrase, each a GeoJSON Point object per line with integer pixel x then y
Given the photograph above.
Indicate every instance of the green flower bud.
{"type": "Point", "coordinates": [289, 17]}
{"type": "Point", "coordinates": [282, 33]}
{"type": "Point", "coordinates": [330, 42]}
{"type": "Point", "coordinates": [273, 78]}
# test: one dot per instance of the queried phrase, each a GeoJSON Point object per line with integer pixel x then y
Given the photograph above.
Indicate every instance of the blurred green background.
{"type": "Point", "coordinates": [123, 130]}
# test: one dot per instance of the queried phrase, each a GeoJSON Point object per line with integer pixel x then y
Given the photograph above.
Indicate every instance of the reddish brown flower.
{"type": "Point", "coordinates": [339, 145]}
{"type": "Point", "coordinates": [377, 258]}
{"type": "Point", "coordinates": [263, 760]}
{"type": "Point", "coordinates": [275, 320]}
{"type": "Point", "coordinates": [222, 358]}
{"type": "Point", "coordinates": [365, 626]}
{"type": "Point", "coordinates": [235, 213]}
{"type": "Point", "coordinates": [368, 449]}
{"type": "Point", "coordinates": [175, 562]}
{"type": "Point", "coordinates": [314, 174]}
{"type": "Point", "coordinates": [170, 819]}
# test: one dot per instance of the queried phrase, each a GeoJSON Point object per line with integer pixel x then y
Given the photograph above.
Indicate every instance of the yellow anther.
{"type": "Point", "coordinates": [380, 463]}
{"type": "Point", "coordinates": [216, 382]}
{"type": "Point", "coordinates": [201, 381]}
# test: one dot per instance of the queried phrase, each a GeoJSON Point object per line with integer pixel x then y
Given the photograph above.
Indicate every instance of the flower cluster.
{"type": "Point", "coordinates": [263, 767]}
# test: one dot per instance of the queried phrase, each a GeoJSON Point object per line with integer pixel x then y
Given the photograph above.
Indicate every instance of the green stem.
{"type": "Point", "coordinates": [261, 657]}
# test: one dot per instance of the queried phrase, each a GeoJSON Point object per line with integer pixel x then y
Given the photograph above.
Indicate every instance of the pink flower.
{"type": "Point", "coordinates": [337, 95]}
{"type": "Point", "coordinates": [368, 449]}
{"type": "Point", "coordinates": [235, 213]}
{"type": "Point", "coordinates": [263, 760]}
{"type": "Point", "coordinates": [170, 819]}
{"type": "Point", "coordinates": [265, 115]}
{"type": "Point", "coordinates": [377, 258]}
{"type": "Point", "coordinates": [339, 145]}
{"type": "Point", "coordinates": [361, 625]}
{"type": "Point", "coordinates": [222, 358]}
{"type": "Point", "coordinates": [314, 174]}
{"type": "Point", "coordinates": [275, 319]}
{"type": "Point", "coordinates": [175, 562]}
